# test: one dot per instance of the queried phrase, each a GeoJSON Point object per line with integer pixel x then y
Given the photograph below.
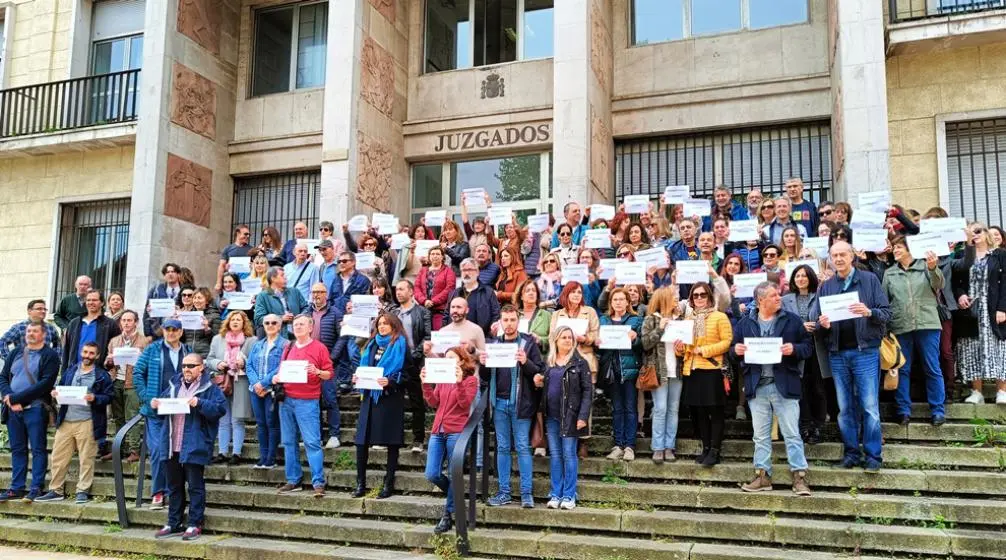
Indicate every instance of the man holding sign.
{"type": "Point", "coordinates": [854, 354]}
{"type": "Point", "coordinates": [123, 351]}
{"type": "Point", "coordinates": [772, 346]}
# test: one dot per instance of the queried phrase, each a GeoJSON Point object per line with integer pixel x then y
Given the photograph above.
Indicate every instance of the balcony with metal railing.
{"type": "Point", "coordinates": [56, 116]}
{"type": "Point", "coordinates": [921, 25]}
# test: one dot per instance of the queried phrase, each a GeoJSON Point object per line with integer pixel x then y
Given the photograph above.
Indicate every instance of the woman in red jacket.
{"type": "Point", "coordinates": [434, 285]}
{"type": "Point", "coordinates": [452, 401]}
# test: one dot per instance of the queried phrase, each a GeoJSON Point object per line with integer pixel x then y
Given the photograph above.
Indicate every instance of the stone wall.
{"type": "Point", "coordinates": [40, 51]}
{"type": "Point", "coordinates": [922, 86]}
{"type": "Point", "coordinates": [33, 187]}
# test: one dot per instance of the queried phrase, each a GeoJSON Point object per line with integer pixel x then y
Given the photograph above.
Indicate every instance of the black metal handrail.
{"type": "Point", "coordinates": [908, 10]}
{"type": "Point", "coordinates": [69, 104]}
{"type": "Point", "coordinates": [120, 484]}
{"type": "Point", "coordinates": [464, 507]}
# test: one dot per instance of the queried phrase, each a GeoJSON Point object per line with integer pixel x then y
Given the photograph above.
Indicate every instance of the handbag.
{"type": "Point", "coordinates": [891, 357]}
{"type": "Point", "coordinates": [278, 389]}
{"type": "Point", "coordinates": [538, 431]}
{"type": "Point", "coordinates": [647, 380]}
{"type": "Point", "coordinates": [225, 382]}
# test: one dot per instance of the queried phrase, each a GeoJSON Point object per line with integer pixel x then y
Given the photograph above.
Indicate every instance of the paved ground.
{"type": "Point", "coordinates": [9, 553]}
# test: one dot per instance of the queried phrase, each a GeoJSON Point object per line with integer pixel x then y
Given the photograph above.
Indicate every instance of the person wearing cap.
{"type": "Point", "coordinates": [327, 270]}
{"type": "Point", "coordinates": [299, 269]}
{"type": "Point", "coordinates": [157, 365]}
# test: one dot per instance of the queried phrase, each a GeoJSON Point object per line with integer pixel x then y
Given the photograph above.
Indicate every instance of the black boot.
{"type": "Point", "coordinates": [813, 436]}
{"type": "Point", "coordinates": [445, 524]}
{"type": "Point", "coordinates": [702, 456]}
{"type": "Point", "coordinates": [361, 488]}
{"type": "Point", "coordinates": [712, 458]}
{"type": "Point", "coordinates": [389, 488]}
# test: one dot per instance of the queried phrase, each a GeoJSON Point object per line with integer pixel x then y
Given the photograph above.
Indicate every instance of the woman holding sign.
{"type": "Point", "coordinates": [814, 403]}
{"type": "Point", "coordinates": [434, 285]}
{"type": "Point", "coordinates": [452, 401]}
{"type": "Point", "coordinates": [704, 388]}
{"type": "Point", "coordinates": [454, 246]}
{"type": "Point", "coordinates": [200, 300]}
{"type": "Point", "coordinates": [620, 367]}
{"type": "Point", "coordinates": [382, 411]}
{"type": "Point", "coordinates": [585, 323]}
{"type": "Point", "coordinates": [663, 309]}
{"type": "Point", "coordinates": [261, 366]}
{"type": "Point", "coordinates": [550, 282]}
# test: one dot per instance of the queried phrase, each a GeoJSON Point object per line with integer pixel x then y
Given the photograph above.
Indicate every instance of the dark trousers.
{"type": "Point", "coordinates": [947, 364]}
{"type": "Point", "coordinates": [814, 404]}
{"type": "Point", "coordinates": [27, 429]}
{"type": "Point", "coordinates": [417, 406]}
{"type": "Point", "coordinates": [330, 398]}
{"type": "Point", "coordinates": [363, 456]}
{"type": "Point", "coordinates": [709, 425]}
{"type": "Point", "coordinates": [179, 475]}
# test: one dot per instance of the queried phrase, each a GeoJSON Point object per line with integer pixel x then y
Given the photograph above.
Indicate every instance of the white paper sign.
{"type": "Point", "coordinates": [252, 287]}
{"type": "Point", "coordinates": [355, 325]}
{"type": "Point", "coordinates": [606, 268]}
{"type": "Point", "coordinates": [537, 223]}
{"type": "Point", "coordinates": [690, 272]}
{"type": "Point", "coordinates": [473, 197]}
{"type": "Point", "coordinates": [293, 371]}
{"type": "Point", "coordinates": [743, 230]}
{"type": "Point", "coordinates": [191, 320]}
{"type": "Point", "coordinates": [676, 194]}
{"type": "Point", "coordinates": [696, 207]}
{"type": "Point", "coordinates": [441, 371]}
{"type": "Point", "coordinates": [357, 223]}
{"type": "Point", "coordinates": [125, 356]}
{"type": "Point", "coordinates": [746, 283]}
{"type": "Point", "coordinates": [71, 395]}
{"type": "Point", "coordinates": [366, 378]}
{"type": "Point", "coordinates": [614, 337]}
{"type": "Point", "coordinates": [238, 301]}
{"type": "Point", "coordinates": [162, 307]}
{"type": "Point", "coordinates": [877, 201]}
{"type": "Point", "coordinates": [502, 355]}
{"type": "Point", "coordinates": [763, 351]}
{"type": "Point", "coordinates": [601, 212]}
{"type": "Point", "coordinates": [500, 215]}
{"type": "Point", "coordinates": [365, 260]}
{"type": "Point", "coordinates": [656, 257]}
{"type": "Point", "coordinates": [952, 229]}
{"type": "Point", "coordinates": [575, 273]}
{"type": "Point", "coordinates": [239, 265]}
{"type": "Point", "coordinates": [791, 267]}
{"type": "Point", "coordinates": [524, 326]}
{"type": "Point", "coordinates": [867, 219]}
{"type": "Point", "coordinates": [423, 246]}
{"type": "Point", "coordinates": [836, 307]}
{"type": "Point", "coordinates": [597, 238]}
{"type": "Point", "coordinates": [579, 326]}
{"type": "Point", "coordinates": [311, 244]}
{"type": "Point", "coordinates": [919, 244]}
{"type": "Point", "coordinates": [399, 241]}
{"type": "Point", "coordinates": [386, 224]}
{"type": "Point", "coordinates": [873, 240]}
{"type": "Point", "coordinates": [818, 244]}
{"type": "Point", "coordinates": [444, 340]}
{"type": "Point", "coordinates": [637, 204]}
{"type": "Point", "coordinates": [365, 306]}
{"type": "Point", "coordinates": [627, 273]}
{"type": "Point", "coordinates": [679, 330]}
{"type": "Point", "coordinates": [436, 218]}
{"type": "Point", "coordinates": [166, 407]}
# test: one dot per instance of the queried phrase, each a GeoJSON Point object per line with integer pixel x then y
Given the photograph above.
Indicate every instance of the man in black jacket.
{"type": "Point", "coordinates": [515, 401]}
{"type": "Point", "coordinates": [25, 383]}
{"type": "Point", "coordinates": [94, 327]}
{"type": "Point", "coordinates": [483, 305]}
{"type": "Point", "coordinates": [417, 323]}
{"type": "Point", "coordinates": [326, 331]}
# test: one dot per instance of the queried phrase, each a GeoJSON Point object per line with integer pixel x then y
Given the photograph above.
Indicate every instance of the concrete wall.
{"type": "Point", "coordinates": [32, 190]}
{"type": "Point", "coordinates": [922, 86]}
{"type": "Point", "coordinates": [40, 49]}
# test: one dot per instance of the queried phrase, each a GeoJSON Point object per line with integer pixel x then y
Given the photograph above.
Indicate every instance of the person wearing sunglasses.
{"type": "Point", "coordinates": [227, 362]}
{"type": "Point", "coordinates": [271, 246]}
{"type": "Point", "coordinates": [566, 250]}
{"type": "Point", "coordinates": [577, 223]}
{"type": "Point", "coordinates": [549, 282]}
{"type": "Point", "coordinates": [347, 283]}
{"type": "Point", "coordinates": [262, 364]}
{"type": "Point", "coordinates": [186, 445]}
{"type": "Point", "coordinates": [239, 248]}
{"type": "Point", "coordinates": [766, 213]}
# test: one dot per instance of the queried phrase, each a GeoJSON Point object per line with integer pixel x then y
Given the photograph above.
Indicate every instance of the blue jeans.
{"type": "Point", "coordinates": [330, 395]}
{"type": "Point", "coordinates": [28, 429]}
{"type": "Point", "coordinates": [563, 462]}
{"type": "Point", "coordinates": [666, 399]}
{"type": "Point", "coordinates": [512, 432]}
{"type": "Point", "coordinates": [623, 413]}
{"type": "Point", "coordinates": [763, 404]}
{"type": "Point", "coordinates": [267, 428]}
{"type": "Point", "coordinates": [928, 342]}
{"type": "Point", "coordinates": [230, 426]}
{"type": "Point", "coordinates": [152, 435]}
{"type": "Point", "coordinates": [301, 416]}
{"type": "Point", "coordinates": [440, 449]}
{"type": "Point", "coordinates": [857, 384]}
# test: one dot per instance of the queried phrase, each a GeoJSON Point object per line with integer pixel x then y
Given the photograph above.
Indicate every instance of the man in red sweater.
{"type": "Point", "coordinates": [299, 411]}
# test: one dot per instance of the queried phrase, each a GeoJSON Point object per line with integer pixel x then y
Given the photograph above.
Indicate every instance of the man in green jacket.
{"type": "Point", "coordinates": [278, 300]}
{"type": "Point", "coordinates": [72, 305]}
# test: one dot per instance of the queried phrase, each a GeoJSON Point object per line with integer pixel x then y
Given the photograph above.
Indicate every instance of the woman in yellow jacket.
{"type": "Point", "coordinates": [702, 370]}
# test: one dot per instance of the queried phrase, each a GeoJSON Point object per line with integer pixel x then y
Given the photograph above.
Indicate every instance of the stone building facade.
{"type": "Point", "coordinates": [136, 132]}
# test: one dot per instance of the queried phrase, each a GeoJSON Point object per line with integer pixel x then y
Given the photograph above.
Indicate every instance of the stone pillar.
{"type": "Point", "coordinates": [860, 154]}
{"type": "Point", "coordinates": [583, 151]}
{"type": "Point", "coordinates": [182, 190]}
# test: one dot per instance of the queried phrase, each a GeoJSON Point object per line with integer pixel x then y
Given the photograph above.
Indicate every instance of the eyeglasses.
{"type": "Point", "coordinates": [565, 234]}
{"type": "Point", "coordinates": [840, 235]}
{"type": "Point", "coordinates": [768, 207]}
{"type": "Point", "coordinates": [189, 366]}
{"type": "Point", "coordinates": [245, 233]}
{"type": "Point", "coordinates": [771, 255]}
{"type": "Point", "coordinates": [186, 294]}
{"type": "Point", "coordinates": [344, 261]}
{"type": "Point", "coordinates": [265, 234]}
{"type": "Point", "coordinates": [551, 261]}
{"type": "Point", "coordinates": [270, 323]}
{"type": "Point", "coordinates": [170, 329]}
{"type": "Point", "coordinates": [370, 245]}
{"type": "Point", "coordinates": [700, 295]}
{"type": "Point", "coordinates": [825, 212]}
{"type": "Point", "coordinates": [319, 292]}
{"type": "Point", "coordinates": [624, 254]}
{"type": "Point", "coordinates": [324, 229]}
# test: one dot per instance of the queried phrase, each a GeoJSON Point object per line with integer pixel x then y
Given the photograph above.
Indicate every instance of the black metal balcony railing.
{"type": "Point", "coordinates": [69, 104]}
{"type": "Point", "coordinates": [907, 10]}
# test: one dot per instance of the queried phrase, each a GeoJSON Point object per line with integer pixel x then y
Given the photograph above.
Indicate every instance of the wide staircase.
{"type": "Point", "coordinates": [941, 494]}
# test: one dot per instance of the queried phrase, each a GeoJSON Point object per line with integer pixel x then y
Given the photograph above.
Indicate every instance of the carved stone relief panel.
{"type": "Point", "coordinates": [600, 47]}
{"type": "Point", "coordinates": [200, 20]}
{"type": "Point", "coordinates": [194, 102]}
{"type": "Point", "coordinates": [377, 85]}
{"type": "Point", "coordinates": [373, 176]}
{"type": "Point", "coordinates": [188, 191]}
{"type": "Point", "coordinates": [386, 8]}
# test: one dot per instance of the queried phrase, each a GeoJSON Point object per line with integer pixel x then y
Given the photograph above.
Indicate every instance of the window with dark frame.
{"type": "Point", "coordinates": [976, 170]}
{"type": "Point", "coordinates": [289, 48]}
{"type": "Point", "coordinates": [93, 241]}
{"type": "Point", "coordinates": [279, 200]}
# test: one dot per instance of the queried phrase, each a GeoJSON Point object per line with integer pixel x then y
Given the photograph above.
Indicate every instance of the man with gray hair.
{"type": "Point", "coordinates": [300, 269]}
{"type": "Point", "coordinates": [279, 300]}
{"type": "Point", "coordinates": [483, 305]}
{"type": "Point", "coordinates": [771, 345]}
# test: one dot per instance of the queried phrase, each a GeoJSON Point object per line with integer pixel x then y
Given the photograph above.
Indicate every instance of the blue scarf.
{"type": "Point", "coordinates": [393, 359]}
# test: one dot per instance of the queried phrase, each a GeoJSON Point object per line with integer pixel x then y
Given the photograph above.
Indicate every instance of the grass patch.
{"type": "Point", "coordinates": [344, 461]}
{"type": "Point", "coordinates": [111, 527]}
{"type": "Point", "coordinates": [445, 547]}
{"type": "Point", "coordinates": [613, 474]}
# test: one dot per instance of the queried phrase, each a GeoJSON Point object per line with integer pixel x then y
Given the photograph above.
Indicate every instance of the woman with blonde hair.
{"type": "Point", "coordinates": [228, 355]}
{"type": "Point", "coordinates": [453, 243]}
{"type": "Point", "coordinates": [791, 245]}
{"type": "Point", "coordinates": [664, 308]}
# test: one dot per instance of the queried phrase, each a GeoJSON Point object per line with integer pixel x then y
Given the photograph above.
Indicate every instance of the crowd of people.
{"type": "Point", "coordinates": [786, 324]}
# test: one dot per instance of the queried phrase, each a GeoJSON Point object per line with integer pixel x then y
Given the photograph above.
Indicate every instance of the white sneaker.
{"type": "Point", "coordinates": [553, 503]}
{"type": "Point", "coordinates": [1000, 397]}
{"type": "Point", "coordinates": [976, 397]}
{"type": "Point", "coordinates": [616, 453]}
{"type": "Point", "coordinates": [333, 443]}
{"type": "Point", "coordinates": [567, 504]}
{"type": "Point", "coordinates": [379, 447]}
{"type": "Point", "coordinates": [539, 452]}
{"type": "Point", "coordinates": [417, 448]}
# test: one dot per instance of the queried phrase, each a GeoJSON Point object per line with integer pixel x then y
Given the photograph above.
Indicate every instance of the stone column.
{"type": "Point", "coordinates": [583, 151]}
{"type": "Point", "coordinates": [860, 155]}
{"type": "Point", "coordinates": [182, 190]}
